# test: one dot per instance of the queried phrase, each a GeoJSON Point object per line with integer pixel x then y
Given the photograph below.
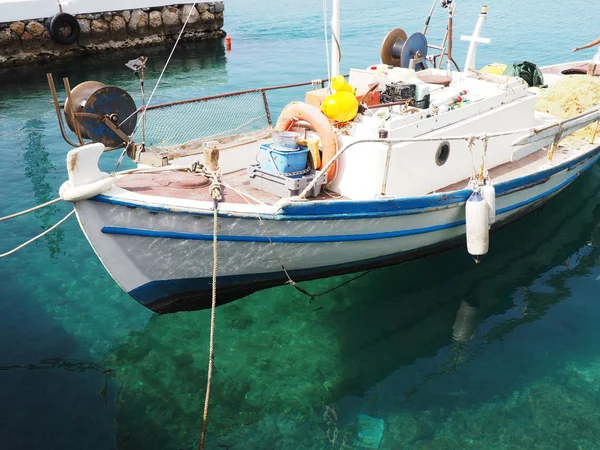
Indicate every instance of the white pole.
{"type": "Point", "coordinates": [475, 39]}
{"type": "Point", "coordinates": [335, 38]}
{"type": "Point", "coordinates": [450, 37]}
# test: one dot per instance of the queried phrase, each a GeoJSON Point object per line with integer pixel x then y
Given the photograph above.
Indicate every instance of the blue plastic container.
{"type": "Point", "coordinates": [285, 161]}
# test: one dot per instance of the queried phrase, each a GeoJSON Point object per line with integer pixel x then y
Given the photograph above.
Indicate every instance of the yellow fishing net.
{"type": "Point", "coordinates": [569, 97]}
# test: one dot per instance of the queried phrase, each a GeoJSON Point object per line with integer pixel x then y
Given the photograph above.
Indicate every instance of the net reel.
{"type": "Point", "coordinates": [100, 113]}
{"type": "Point", "coordinates": [106, 115]}
{"type": "Point", "coordinates": [399, 50]}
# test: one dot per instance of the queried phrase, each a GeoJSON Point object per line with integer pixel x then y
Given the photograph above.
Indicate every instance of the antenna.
{"type": "Point", "coordinates": [438, 59]}
{"type": "Point", "coordinates": [336, 52]}
{"type": "Point", "coordinates": [138, 65]}
{"type": "Point", "coordinates": [447, 4]}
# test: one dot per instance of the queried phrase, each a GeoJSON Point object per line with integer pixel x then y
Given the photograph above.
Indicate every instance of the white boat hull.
{"type": "Point", "coordinates": [163, 256]}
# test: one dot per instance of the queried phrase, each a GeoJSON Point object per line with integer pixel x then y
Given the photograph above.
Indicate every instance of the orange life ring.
{"type": "Point", "coordinates": [296, 111]}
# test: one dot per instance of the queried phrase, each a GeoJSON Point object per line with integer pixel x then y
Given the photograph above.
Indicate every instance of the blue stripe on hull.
{"type": "Point", "coordinates": [279, 239]}
{"type": "Point", "coordinates": [319, 239]}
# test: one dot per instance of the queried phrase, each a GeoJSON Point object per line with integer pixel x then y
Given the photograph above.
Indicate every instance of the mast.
{"type": "Point", "coordinates": [335, 39]}
{"type": "Point", "coordinates": [475, 39]}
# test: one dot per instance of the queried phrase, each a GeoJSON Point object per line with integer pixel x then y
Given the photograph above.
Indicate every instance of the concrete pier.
{"type": "Point", "coordinates": [29, 37]}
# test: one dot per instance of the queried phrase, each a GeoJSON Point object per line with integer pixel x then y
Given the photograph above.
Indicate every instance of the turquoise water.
{"type": "Point", "coordinates": [82, 366]}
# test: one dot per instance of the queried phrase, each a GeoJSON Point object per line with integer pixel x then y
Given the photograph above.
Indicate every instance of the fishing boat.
{"type": "Point", "coordinates": [395, 161]}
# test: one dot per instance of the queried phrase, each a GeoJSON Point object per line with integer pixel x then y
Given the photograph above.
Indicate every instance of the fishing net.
{"type": "Point", "coordinates": [213, 118]}
{"type": "Point", "coordinates": [571, 96]}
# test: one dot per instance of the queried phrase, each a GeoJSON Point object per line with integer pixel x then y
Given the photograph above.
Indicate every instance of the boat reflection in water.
{"type": "Point", "coordinates": [37, 167]}
{"type": "Point", "coordinates": [386, 343]}
{"type": "Point", "coordinates": [466, 323]}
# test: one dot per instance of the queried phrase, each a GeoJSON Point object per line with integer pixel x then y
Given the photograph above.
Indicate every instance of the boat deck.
{"type": "Point", "coordinates": [189, 186]}
{"type": "Point", "coordinates": [571, 68]}
{"type": "Point", "coordinates": [527, 165]}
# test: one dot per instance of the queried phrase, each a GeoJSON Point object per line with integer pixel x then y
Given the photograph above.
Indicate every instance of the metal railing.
{"type": "Point", "coordinates": [263, 91]}
{"type": "Point", "coordinates": [190, 120]}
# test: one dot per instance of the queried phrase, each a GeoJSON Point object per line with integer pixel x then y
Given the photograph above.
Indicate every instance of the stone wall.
{"type": "Point", "coordinates": [22, 42]}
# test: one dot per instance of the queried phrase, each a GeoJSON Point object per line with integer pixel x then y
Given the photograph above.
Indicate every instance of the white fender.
{"type": "Point", "coordinates": [74, 194]}
{"type": "Point", "coordinates": [85, 178]}
{"type": "Point", "coordinates": [477, 224]}
{"type": "Point", "coordinates": [489, 193]}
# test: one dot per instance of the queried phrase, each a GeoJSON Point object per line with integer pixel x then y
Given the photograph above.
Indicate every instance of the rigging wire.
{"type": "Point", "coordinates": [145, 107]}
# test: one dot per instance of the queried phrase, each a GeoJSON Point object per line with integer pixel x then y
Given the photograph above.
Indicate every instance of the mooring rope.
{"type": "Point", "coordinates": [215, 192]}
{"type": "Point", "coordinates": [26, 211]}
{"type": "Point", "coordinates": [295, 285]}
{"type": "Point", "coordinates": [244, 194]}
{"type": "Point", "coordinates": [290, 281]}
{"type": "Point", "coordinates": [56, 225]}
{"type": "Point", "coordinates": [328, 291]}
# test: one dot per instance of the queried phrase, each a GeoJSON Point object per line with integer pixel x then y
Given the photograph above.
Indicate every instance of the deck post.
{"type": "Point", "coordinates": [386, 170]}
{"type": "Point", "coordinates": [211, 156]}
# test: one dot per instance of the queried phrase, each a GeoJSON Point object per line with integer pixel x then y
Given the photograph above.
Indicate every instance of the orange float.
{"type": "Point", "coordinates": [298, 111]}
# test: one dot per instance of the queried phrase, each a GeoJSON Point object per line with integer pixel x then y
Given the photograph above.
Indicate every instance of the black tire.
{"type": "Point", "coordinates": [62, 23]}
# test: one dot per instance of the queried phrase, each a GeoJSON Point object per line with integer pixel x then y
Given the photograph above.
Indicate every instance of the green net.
{"type": "Point", "coordinates": [178, 123]}
{"type": "Point", "coordinates": [527, 71]}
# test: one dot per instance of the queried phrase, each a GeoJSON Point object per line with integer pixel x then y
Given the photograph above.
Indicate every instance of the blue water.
{"type": "Point", "coordinates": [82, 366]}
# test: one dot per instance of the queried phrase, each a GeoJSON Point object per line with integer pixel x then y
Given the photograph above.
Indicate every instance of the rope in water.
{"type": "Point", "coordinates": [56, 225]}
{"type": "Point", "coordinates": [215, 192]}
{"type": "Point", "coordinates": [26, 211]}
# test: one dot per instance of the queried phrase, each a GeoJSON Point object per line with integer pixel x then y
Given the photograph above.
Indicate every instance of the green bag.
{"type": "Point", "coordinates": [526, 70]}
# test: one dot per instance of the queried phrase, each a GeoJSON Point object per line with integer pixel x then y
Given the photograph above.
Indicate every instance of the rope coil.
{"type": "Point", "coordinates": [215, 177]}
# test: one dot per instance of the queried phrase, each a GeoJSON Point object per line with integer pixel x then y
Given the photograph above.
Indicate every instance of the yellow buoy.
{"type": "Point", "coordinates": [339, 84]}
{"type": "Point", "coordinates": [341, 106]}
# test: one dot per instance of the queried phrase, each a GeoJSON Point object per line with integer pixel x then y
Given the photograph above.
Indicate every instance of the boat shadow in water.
{"type": "Point", "coordinates": [371, 347]}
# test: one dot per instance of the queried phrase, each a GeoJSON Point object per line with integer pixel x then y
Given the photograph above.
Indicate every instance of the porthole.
{"type": "Point", "coordinates": [442, 154]}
